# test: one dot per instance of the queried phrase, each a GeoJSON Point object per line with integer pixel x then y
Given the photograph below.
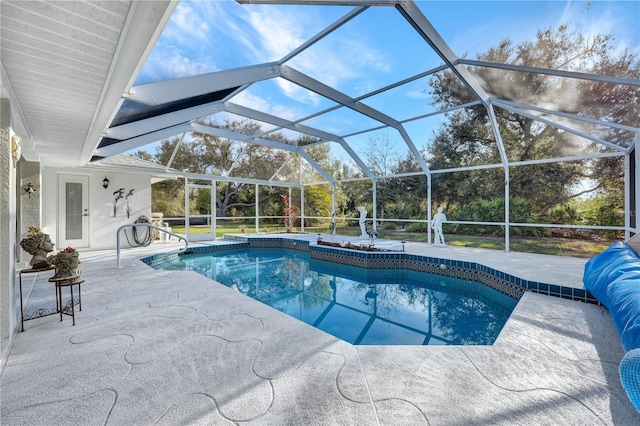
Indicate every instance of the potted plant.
{"type": "Point", "coordinates": [66, 263]}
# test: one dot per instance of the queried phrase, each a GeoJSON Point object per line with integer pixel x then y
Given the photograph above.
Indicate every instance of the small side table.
{"type": "Point", "coordinates": [40, 312]}
{"type": "Point", "coordinates": [68, 282]}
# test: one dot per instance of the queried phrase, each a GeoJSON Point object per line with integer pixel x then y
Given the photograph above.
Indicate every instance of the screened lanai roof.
{"type": "Point", "coordinates": [348, 73]}
{"type": "Point", "coordinates": [337, 73]}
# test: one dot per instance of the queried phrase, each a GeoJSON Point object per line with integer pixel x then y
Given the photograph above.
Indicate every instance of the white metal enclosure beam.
{"type": "Point", "coordinates": [187, 87]}
{"type": "Point", "coordinates": [224, 133]}
{"type": "Point", "coordinates": [309, 83]}
{"type": "Point", "coordinates": [277, 121]}
{"type": "Point", "coordinates": [576, 117]}
{"type": "Point", "coordinates": [137, 142]}
{"type": "Point", "coordinates": [562, 127]}
{"type": "Point", "coordinates": [416, 18]}
{"type": "Point", "coordinates": [558, 73]}
{"type": "Point", "coordinates": [328, 30]}
{"type": "Point", "coordinates": [228, 134]}
{"type": "Point", "coordinates": [175, 151]}
{"type": "Point", "coordinates": [326, 2]}
{"type": "Point", "coordinates": [148, 125]}
{"type": "Point", "coordinates": [285, 124]}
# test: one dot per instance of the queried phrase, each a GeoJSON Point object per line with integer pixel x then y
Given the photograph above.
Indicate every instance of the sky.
{"type": "Point", "coordinates": [373, 50]}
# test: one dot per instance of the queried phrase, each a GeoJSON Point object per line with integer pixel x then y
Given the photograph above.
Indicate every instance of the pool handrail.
{"type": "Point", "coordinates": [148, 225]}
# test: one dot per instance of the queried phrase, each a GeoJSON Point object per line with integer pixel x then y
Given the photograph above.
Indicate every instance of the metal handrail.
{"type": "Point", "coordinates": [148, 225]}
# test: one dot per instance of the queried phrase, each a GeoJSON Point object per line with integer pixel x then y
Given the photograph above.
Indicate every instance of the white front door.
{"type": "Point", "coordinates": [73, 211]}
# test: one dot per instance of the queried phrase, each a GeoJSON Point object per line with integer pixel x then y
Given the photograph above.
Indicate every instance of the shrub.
{"type": "Point", "coordinates": [481, 210]}
{"type": "Point", "coordinates": [417, 227]}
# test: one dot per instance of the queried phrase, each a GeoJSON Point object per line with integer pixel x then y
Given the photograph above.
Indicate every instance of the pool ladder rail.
{"type": "Point", "coordinates": [148, 225]}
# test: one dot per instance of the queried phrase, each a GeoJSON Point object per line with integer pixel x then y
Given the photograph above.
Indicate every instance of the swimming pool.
{"type": "Point", "coordinates": [390, 307]}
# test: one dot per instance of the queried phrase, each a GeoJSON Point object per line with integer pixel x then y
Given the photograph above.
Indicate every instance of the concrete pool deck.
{"type": "Point", "coordinates": [171, 348]}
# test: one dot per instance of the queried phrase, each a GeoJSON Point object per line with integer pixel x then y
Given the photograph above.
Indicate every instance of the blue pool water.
{"type": "Point", "coordinates": [394, 307]}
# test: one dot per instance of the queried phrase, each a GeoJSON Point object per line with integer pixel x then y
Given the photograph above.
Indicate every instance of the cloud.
{"type": "Point", "coordinates": [169, 63]}
{"type": "Point", "coordinates": [186, 26]}
{"type": "Point", "coordinates": [279, 33]}
{"type": "Point", "coordinates": [230, 28]}
{"type": "Point", "coordinates": [417, 93]}
{"type": "Point", "coordinates": [248, 99]}
{"type": "Point", "coordinates": [605, 18]}
{"type": "Point", "coordinates": [298, 93]}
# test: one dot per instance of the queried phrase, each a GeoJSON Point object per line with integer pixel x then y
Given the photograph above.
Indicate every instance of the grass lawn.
{"type": "Point", "coordinates": [542, 245]}
{"type": "Point", "coordinates": [553, 246]}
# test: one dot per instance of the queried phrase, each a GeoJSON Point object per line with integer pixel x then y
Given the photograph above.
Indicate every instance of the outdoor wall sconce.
{"type": "Point", "coordinates": [105, 183]}
{"type": "Point", "coordinates": [30, 189]}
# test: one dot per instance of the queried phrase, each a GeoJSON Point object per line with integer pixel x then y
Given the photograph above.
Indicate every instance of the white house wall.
{"type": "Point", "coordinates": [102, 224]}
{"type": "Point", "coordinates": [8, 312]}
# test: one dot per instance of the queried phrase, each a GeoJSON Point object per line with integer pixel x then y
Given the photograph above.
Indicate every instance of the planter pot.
{"type": "Point", "coordinates": [66, 264]}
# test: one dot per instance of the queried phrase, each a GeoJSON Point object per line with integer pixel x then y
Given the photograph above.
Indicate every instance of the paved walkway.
{"type": "Point", "coordinates": [172, 348]}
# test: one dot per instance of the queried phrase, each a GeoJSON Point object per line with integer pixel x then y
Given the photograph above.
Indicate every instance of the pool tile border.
{"type": "Point", "coordinates": [372, 261]}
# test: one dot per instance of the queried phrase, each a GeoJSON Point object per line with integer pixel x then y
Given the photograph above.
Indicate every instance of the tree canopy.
{"type": "Point", "coordinates": [467, 138]}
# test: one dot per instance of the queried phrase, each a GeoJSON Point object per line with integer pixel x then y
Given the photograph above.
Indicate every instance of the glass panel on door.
{"type": "Point", "coordinates": [73, 211]}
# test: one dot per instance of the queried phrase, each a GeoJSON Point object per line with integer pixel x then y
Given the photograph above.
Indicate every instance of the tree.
{"type": "Point", "coordinates": [205, 154]}
{"type": "Point", "coordinates": [381, 157]}
{"type": "Point", "coordinates": [318, 200]}
{"type": "Point", "coordinates": [411, 191]}
{"type": "Point", "coordinates": [467, 138]}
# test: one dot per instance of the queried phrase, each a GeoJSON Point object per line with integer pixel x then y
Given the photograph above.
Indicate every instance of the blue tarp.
{"type": "Point", "coordinates": [613, 277]}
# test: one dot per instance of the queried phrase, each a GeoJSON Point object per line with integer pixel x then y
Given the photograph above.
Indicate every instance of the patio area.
{"type": "Point", "coordinates": [171, 347]}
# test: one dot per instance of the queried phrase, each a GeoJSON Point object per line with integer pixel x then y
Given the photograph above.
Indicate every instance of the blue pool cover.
{"type": "Point", "coordinates": [613, 277]}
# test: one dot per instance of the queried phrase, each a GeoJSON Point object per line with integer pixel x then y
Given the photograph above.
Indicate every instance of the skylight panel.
{"type": "Point", "coordinates": [375, 49]}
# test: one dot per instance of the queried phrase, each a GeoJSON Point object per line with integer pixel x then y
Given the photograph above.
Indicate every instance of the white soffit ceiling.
{"type": "Point", "coordinates": [65, 66]}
